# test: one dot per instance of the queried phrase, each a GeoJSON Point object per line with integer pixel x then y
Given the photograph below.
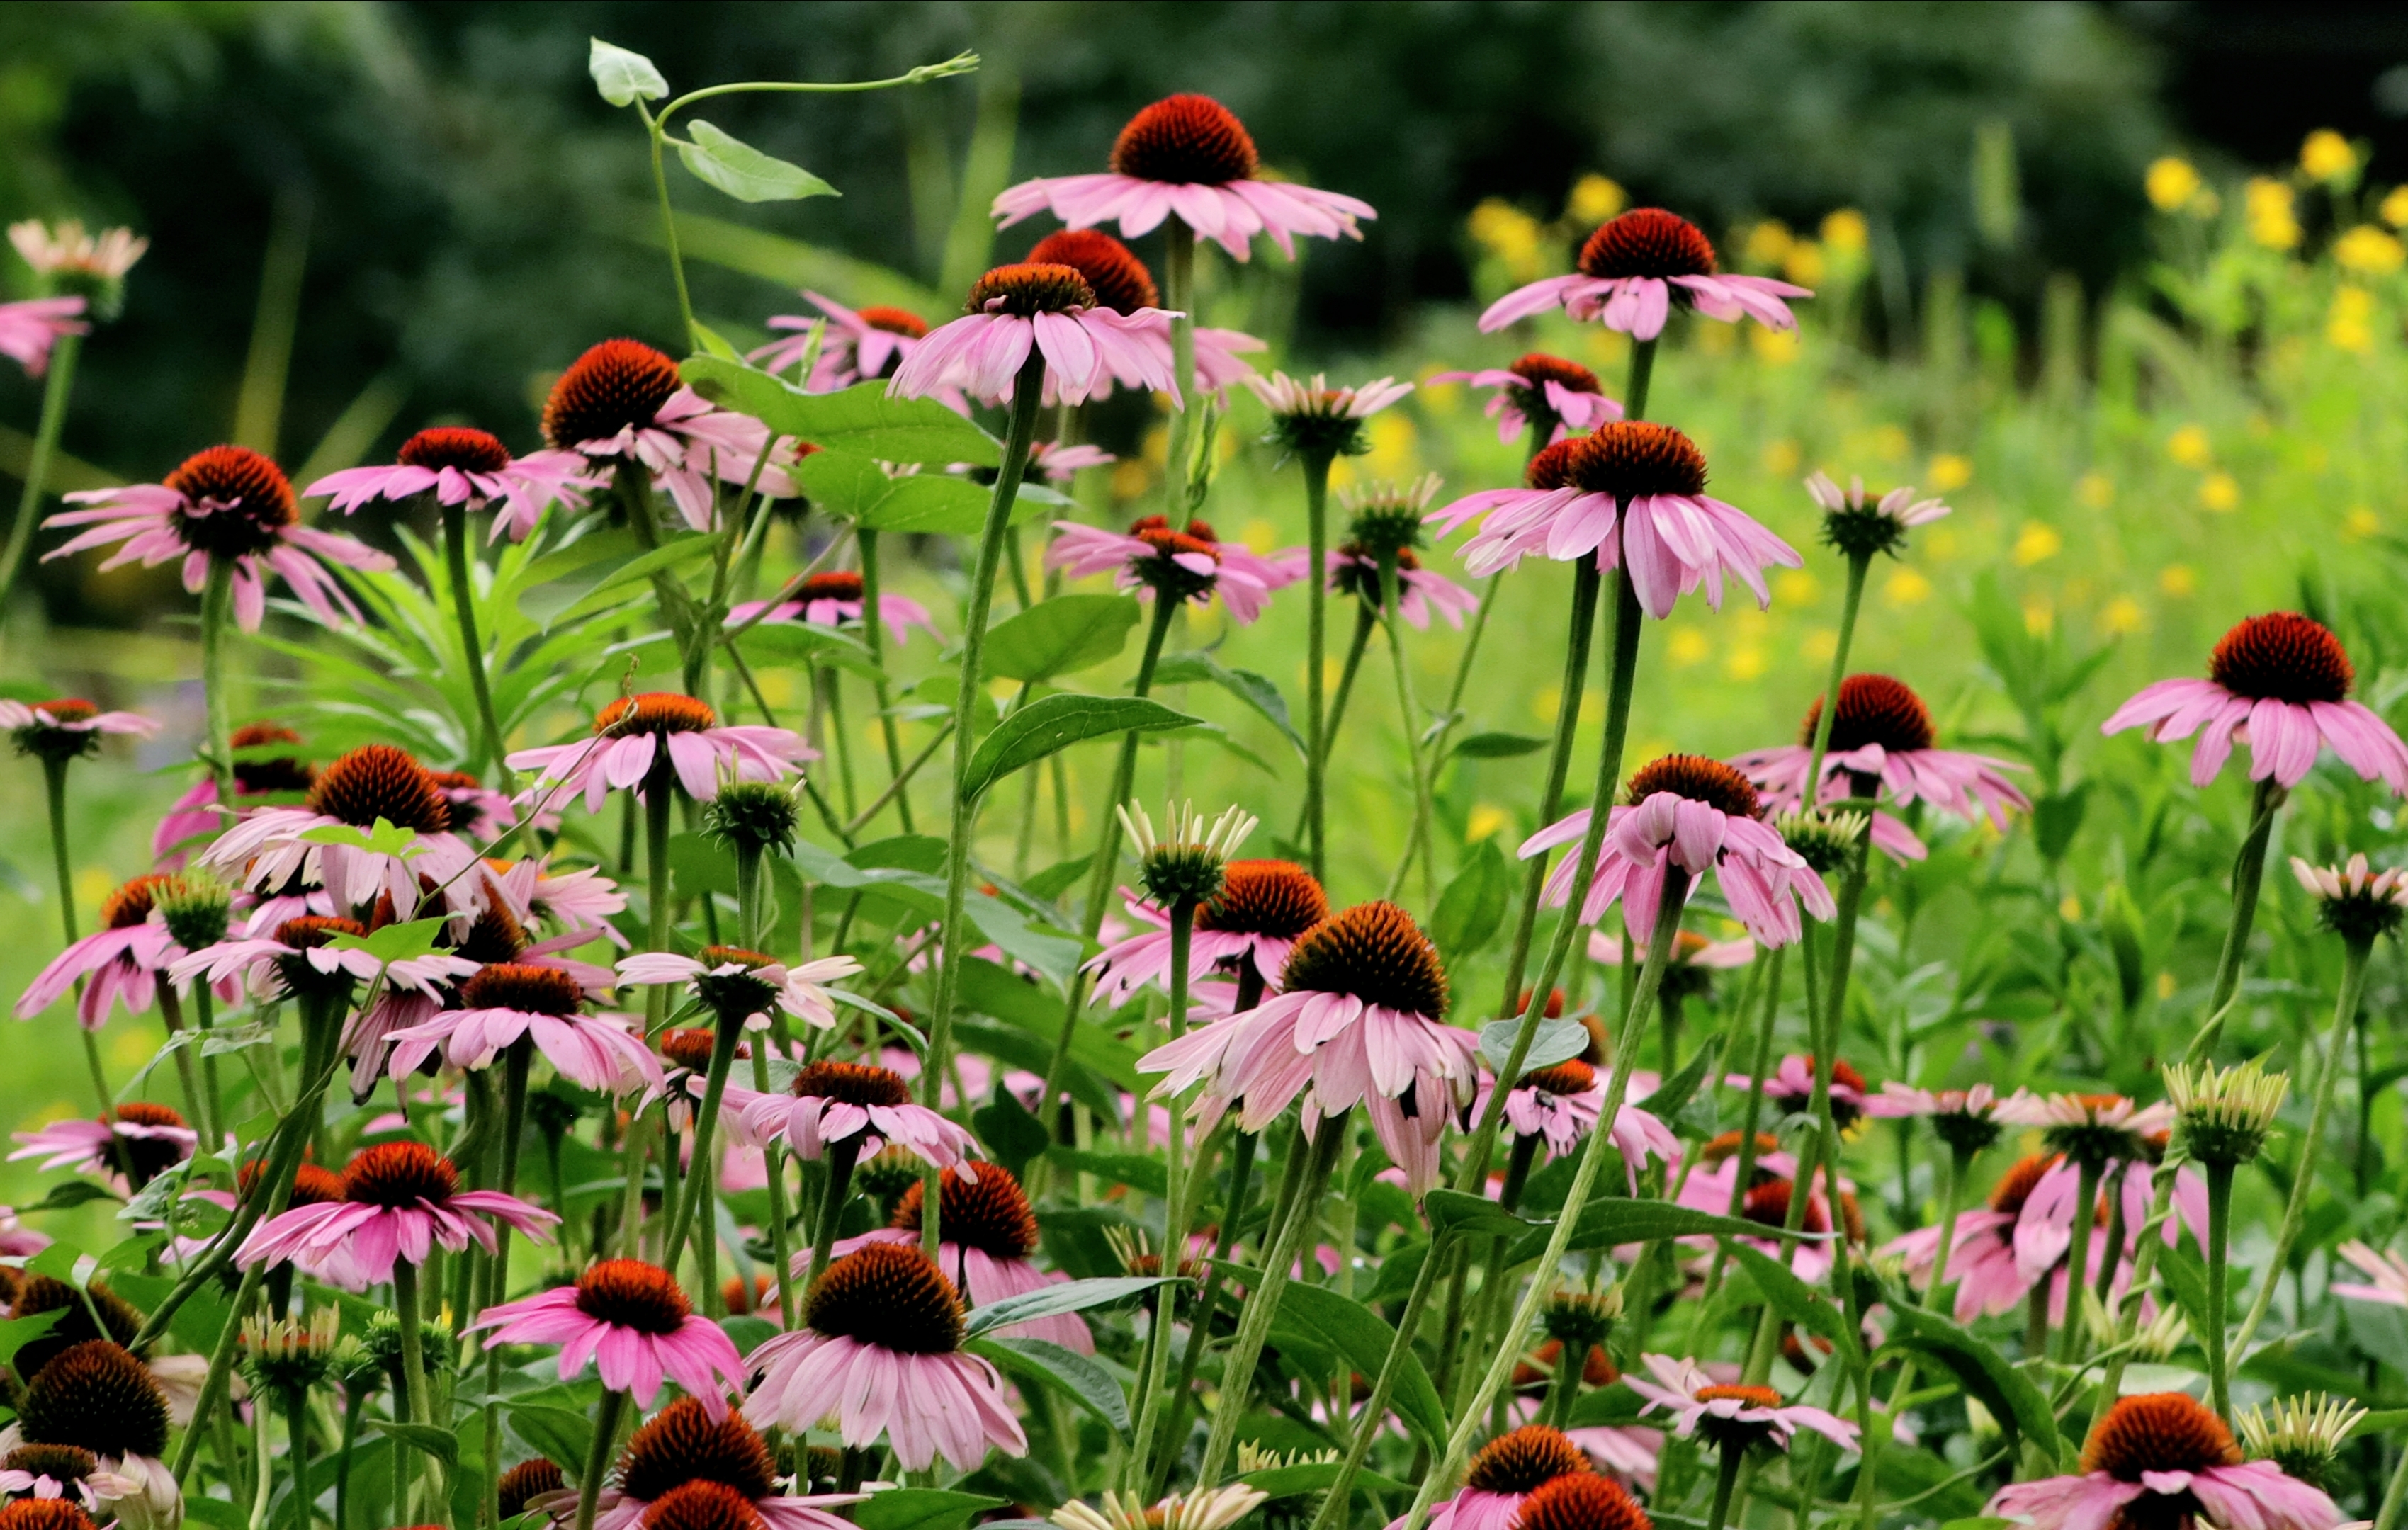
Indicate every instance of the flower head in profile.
{"type": "Point", "coordinates": [2279, 683]}
{"type": "Point", "coordinates": [228, 505]}
{"type": "Point", "coordinates": [621, 404]}
{"type": "Point", "coordinates": [857, 345]}
{"type": "Point", "coordinates": [400, 1199]}
{"type": "Point", "coordinates": [1560, 396]}
{"type": "Point", "coordinates": [71, 261]}
{"type": "Point", "coordinates": [1965, 1119]}
{"type": "Point", "coordinates": [1628, 490]}
{"type": "Point", "coordinates": [121, 962]}
{"type": "Point", "coordinates": [636, 1320]}
{"type": "Point", "coordinates": [31, 328]}
{"type": "Point", "coordinates": [1188, 157]}
{"type": "Point", "coordinates": [2354, 901]}
{"type": "Point", "coordinates": [1703, 815]}
{"type": "Point", "coordinates": [989, 1232]}
{"type": "Point", "coordinates": [333, 840]}
{"type": "Point", "coordinates": [458, 466]}
{"type": "Point", "coordinates": [504, 1001]}
{"type": "Point", "coordinates": [1123, 284]}
{"type": "Point", "coordinates": [856, 1106]}
{"type": "Point", "coordinates": [1214, 1509]}
{"type": "Point", "coordinates": [836, 599]}
{"type": "Point", "coordinates": [1860, 525]}
{"type": "Point", "coordinates": [263, 767]}
{"type": "Point", "coordinates": [2301, 1435]}
{"type": "Point", "coordinates": [881, 1349]}
{"type": "Point", "coordinates": [1050, 309]}
{"type": "Point", "coordinates": [1184, 862]}
{"type": "Point", "coordinates": [1882, 743]}
{"type": "Point", "coordinates": [2165, 1458]}
{"type": "Point", "coordinates": [2222, 1115]}
{"type": "Point", "coordinates": [69, 728]}
{"type": "Point", "coordinates": [1172, 564]}
{"type": "Point", "coordinates": [50, 1471]}
{"type": "Point", "coordinates": [1386, 521]}
{"type": "Point", "coordinates": [1312, 418]}
{"type": "Point", "coordinates": [131, 1144]}
{"type": "Point", "coordinates": [1503, 1473]}
{"type": "Point", "coordinates": [1790, 1088]}
{"type": "Point", "coordinates": [1636, 268]}
{"type": "Point", "coordinates": [738, 986]}
{"type": "Point", "coordinates": [1560, 1105]}
{"type": "Point", "coordinates": [689, 1457]}
{"type": "Point", "coordinates": [1250, 925]}
{"type": "Point", "coordinates": [1728, 1417]}
{"type": "Point", "coordinates": [660, 740]}
{"type": "Point", "coordinates": [2095, 1129]}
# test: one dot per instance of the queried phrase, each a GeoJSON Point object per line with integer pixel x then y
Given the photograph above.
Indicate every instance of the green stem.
{"type": "Point", "coordinates": [1174, 1232]}
{"type": "Point", "coordinates": [1200, 1324]}
{"type": "Point", "coordinates": [2077, 1261]}
{"type": "Point", "coordinates": [354, 1400]}
{"type": "Point", "coordinates": [55, 389]}
{"type": "Point", "coordinates": [463, 601]}
{"type": "Point", "coordinates": [962, 809]}
{"type": "Point", "coordinates": [696, 1185]}
{"type": "Point", "coordinates": [262, 1479]}
{"type": "Point", "coordinates": [516, 1064]}
{"type": "Point", "coordinates": [598, 1459]}
{"type": "Point", "coordinates": [413, 1355]}
{"type": "Point", "coordinates": [2248, 876]}
{"type": "Point", "coordinates": [1726, 1479]}
{"type": "Point", "coordinates": [296, 1453]}
{"type": "Point", "coordinates": [656, 132]}
{"type": "Point", "coordinates": [1810, 792]}
{"type": "Point", "coordinates": [840, 1161]}
{"type": "Point", "coordinates": [2219, 1230]}
{"type": "Point", "coordinates": [2295, 1208]}
{"type": "Point", "coordinates": [1960, 1160]}
{"type": "Point", "coordinates": [1364, 619]}
{"type": "Point", "coordinates": [171, 1014]}
{"type": "Point", "coordinates": [54, 787]}
{"type": "Point", "coordinates": [874, 637]}
{"type": "Point", "coordinates": [1317, 729]}
{"type": "Point", "coordinates": [217, 610]}
{"type": "Point", "coordinates": [1178, 293]}
{"type": "Point", "coordinates": [1405, 710]}
{"type": "Point", "coordinates": [2388, 1518]}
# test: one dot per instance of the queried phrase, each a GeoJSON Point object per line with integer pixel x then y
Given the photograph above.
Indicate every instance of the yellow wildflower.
{"type": "Point", "coordinates": [2371, 250]}
{"type": "Point", "coordinates": [2172, 183]}
{"type": "Point", "coordinates": [2189, 447]}
{"type": "Point", "coordinates": [2219, 492]}
{"type": "Point", "coordinates": [2273, 221]}
{"type": "Point", "coordinates": [1596, 198]}
{"type": "Point", "coordinates": [2038, 542]}
{"type": "Point", "coordinates": [1846, 232]}
{"type": "Point", "coordinates": [2326, 155]}
{"type": "Point", "coordinates": [1950, 471]}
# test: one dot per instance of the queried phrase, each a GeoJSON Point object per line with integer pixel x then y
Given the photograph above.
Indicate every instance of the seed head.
{"type": "Point", "coordinates": [195, 907]}
{"type": "Point", "coordinates": [752, 815]}
{"type": "Point", "coordinates": [1858, 526]}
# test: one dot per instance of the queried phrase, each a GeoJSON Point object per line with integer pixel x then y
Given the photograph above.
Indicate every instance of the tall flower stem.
{"type": "Point", "coordinates": [2248, 876]}
{"type": "Point", "coordinates": [1407, 718]}
{"type": "Point", "coordinates": [1178, 291]}
{"type": "Point", "coordinates": [516, 1063]}
{"type": "Point", "coordinates": [54, 788]}
{"type": "Point", "coordinates": [1316, 462]}
{"type": "Point", "coordinates": [1810, 793]}
{"type": "Point", "coordinates": [464, 602]}
{"type": "Point", "coordinates": [217, 610]}
{"type": "Point", "coordinates": [840, 1162]}
{"type": "Point", "coordinates": [196, 1101]}
{"type": "Point", "coordinates": [696, 1187]}
{"type": "Point", "coordinates": [873, 636]}
{"type": "Point", "coordinates": [1473, 1418]}
{"type": "Point", "coordinates": [1026, 401]}
{"type": "Point", "coordinates": [750, 934]}
{"type": "Point", "coordinates": [2295, 1210]}
{"type": "Point", "coordinates": [1333, 1513]}
{"type": "Point", "coordinates": [1542, 427]}
{"type": "Point", "coordinates": [1174, 1230]}
{"type": "Point", "coordinates": [1365, 621]}
{"type": "Point", "coordinates": [2219, 1232]}
{"type": "Point", "coordinates": [53, 418]}
{"type": "Point", "coordinates": [597, 1460]}
{"type": "Point", "coordinates": [1751, 1119]}
{"type": "Point", "coordinates": [1262, 1302]}
{"type": "Point", "coordinates": [659, 799]}
{"type": "Point", "coordinates": [2077, 1259]}
{"type": "Point", "coordinates": [1960, 1158]}
{"type": "Point", "coordinates": [413, 1350]}
{"type": "Point", "coordinates": [2387, 1517]}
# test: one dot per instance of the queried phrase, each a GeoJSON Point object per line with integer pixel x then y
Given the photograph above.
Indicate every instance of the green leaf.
{"type": "Point", "coordinates": [1011, 1135]}
{"type": "Point", "coordinates": [1498, 746]}
{"type": "Point", "coordinates": [1057, 879]}
{"type": "Point", "coordinates": [2057, 819]}
{"type": "Point", "coordinates": [2184, 1278]}
{"type": "Point", "coordinates": [427, 1439]}
{"type": "Point", "coordinates": [217, 1513]}
{"type": "Point", "coordinates": [861, 424]}
{"type": "Point", "coordinates": [1472, 908]}
{"type": "Point", "coordinates": [623, 77]}
{"type": "Point", "coordinates": [1364, 1338]}
{"type": "Point", "coordinates": [858, 488]}
{"type": "Point", "coordinates": [1557, 1041]}
{"type": "Point", "coordinates": [563, 1436]}
{"type": "Point", "coordinates": [720, 159]}
{"type": "Point", "coordinates": [747, 1331]}
{"type": "Point", "coordinates": [385, 838]}
{"type": "Point", "coordinates": [1068, 1297]}
{"type": "Point", "coordinates": [16, 1333]}
{"type": "Point", "coordinates": [1794, 1299]}
{"type": "Point", "coordinates": [1056, 722]}
{"type": "Point", "coordinates": [1066, 1371]}
{"type": "Point", "coordinates": [683, 549]}
{"type": "Point", "coordinates": [1452, 1210]}
{"type": "Point", "coordinates": [1254, 690]}
{"type": "Point", "coordinates": [393, 942]}
{"type": "Point", "coordinates": [1060, 636]}
{"type": "Point", "coordinates": [1674, 1092]}
{"type": "Point", "coordinates": [1615, 1220]}
{"type": "Point", "coordinates": [1981, 1370]}
{"type": "Point", "coordinates": [67, 1195]}
{"type": "Point", "coordinates": [920, 1509]}
{"type": "Point", "coordinates": [810, 644]}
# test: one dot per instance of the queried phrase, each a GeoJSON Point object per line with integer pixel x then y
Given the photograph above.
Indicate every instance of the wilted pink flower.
{"type": "Point", "coordinates": [1563, 395]}
{"type": "Point", "coordinates": [1632, 271]}
{"type": "Point", "coordinates": [635, 1320]}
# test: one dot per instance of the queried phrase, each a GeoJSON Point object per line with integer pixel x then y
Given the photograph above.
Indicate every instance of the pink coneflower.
{"type": "Point", "coordinates": [1582, 1501]}
{"type": "Point", "coordinates": [1883, 741]}
{"type": "Point", "coordinates": [2280, 684]}
{"type": "Point", "coordinates": [193, 814]}
{"type": "Point", "coordinates": [1563, 395]}
{"type": "Point", "coordinates": [226, 504]}
{"type": "Point", "coordinates": [687, 1448]}
{"type": "Point", "coordinates": [1635, 268]}
{"type": "Point", "coordinates": [835, 599]}
{"type": "Point", "coordinates": [66, 254]}
{"type": "Point", "coordinates": [1859, 523]}
{"type": "Point", "coordinates": [1692, 950]}
{"type": "Point", "coordinates": [96, 1397]}
{"type": "Point", "coordinates": [1790, 1087]}
{"type": "Point", "coordinates": [1702, 815]}
{"type": "Point", "coordinates": [1503, 1473]}
{"type": "Point", "coordinates": [399, 1200]}
{"type": "Point", "coordinates": [660, 738]}
{"type": "Point", "coordinates": [1353, 571]}
{"type": "Point", "coordinates": [635, 1320]}
{"type": "Point", "coordinates": [2387, 1270]}
{"type": "Point", "coordinates": [831, 1103]}
{"type": "Point", "coordinates": [861, 345]}
{"type": "Point", "coordinates": [268, 850]}
{"type": "Point", "coordinates": [1983, 1259]}
{"type": "Point", "coordinates": [300, 959]}
{"type": "Point", "coordinates": [125, 959]}
{"type": "Point", "coordinates": [881, 1349]}
{"type": "Point", "coordinates": [29, 329]}
{"type": "Point", "coordinates": [1251, 925]}
{"type": "Point", "coordinates": [50, 1471]}
{"type": "Point", "coordinates": [988, 1231]}
{"type": "Point", "coordinates": [1359, 1021]}
{"type": "Point", "coordinates": [1190, 564]}
{"type": "Point", "coordinates": [734, 982]}
{"type": "Point", "coordinates": [1188, 156]}
{"type": "Point", "coordinates": [1559, 1104]}
{"type": "Point", "coordinates": [471, 468]}
{"type": "Point", "coordinates": [130, 1145]}
{"type": "Point", "coordinates": [506, 1000]}
{"type": "Point", "coordinates": [1766, 1202]}
{"type": "Point", "coordinates": [1309, 416]}
{"type": "Point", "coordinates": [1677, 536]}
{"type": "Point", "coordinates": [2164, 1458]}
{"type": "Point", "coordinates": [1087, 347]}
{"type": "Point", "coordinates": [621, 401]}
{"type": "Point", "coordinates": [1729, 1416]}
{"type": "Point", "coordinates": [68, 728]}
{"type": "Point", "coordinates": [1965, 1119]}
{"type": "Point", "coordinates": [1123, 284]}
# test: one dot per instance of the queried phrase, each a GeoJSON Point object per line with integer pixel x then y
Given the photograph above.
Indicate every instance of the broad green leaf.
{"type": "Point", "coordinates": [1053, 955]}
{"type": "Point", "coordinates": [1794, 1299]}
{"type": "Point", "coordinates": [1498, 746]}
{"type": "Point", "coordinates": [858, 488]}
{"type": "Point", "coordinates": [1557, 1041]}
{"type": "Point", "coordinates": [1068, 1297]}
{"type": "Point", "coordinates": [1674, 1092]}
{"type": "Point", "coordinates": [1125, 1168]}
{"type": "Point", "coordinates": [1364, 1338]}
{"type": "Point", "coordinates": [1073, 1374]}
{"type": "Point", "coordinates": [864, 423]}
{"type": "Point", "coordinates": [1472, 908]}
{"type": "Point", "coordinates": [564, 1435]}
{"type": "Point", "coordinates": [715, 343]}
{"type": "Point", "coordinates": [427, 1439]}
{"type": "Point", "coordinates": [1056, 722]}
{"type": "Point", "coordinates": [384, 840]}
{"type": "Point", "coordinates": [806, 643]}
{"type": "Point", "coordinates": [2020, 1407]}
{"type": "Point", "coordinates": [393, 942]}
{"type": "Point", "coordinates": [1254, 690]}
{"type": "Point", "coordinates": [1615, 1219]}
{"type": "Point", "coordinates": [1013, 1137]}
{"type": "Point", "coordinates": [747, 1331]}
{"type": "Point", "coordinates": [1452, 1210]}
{"type": "Point", "coordinates": [743, 172]}
{"type": "Point", "coordinates": [67, 1195]}
{"type": "Point", "coordinates": [620, 76]}
{"type": "Point", "coordinates": [2181, 1271]}
{"type": "Point", "coordinates": [920, 1509]}
{"type": "Point", "coordinates": [1060, 636]}
{"type": "Point", "coordinates": [16, 1333]}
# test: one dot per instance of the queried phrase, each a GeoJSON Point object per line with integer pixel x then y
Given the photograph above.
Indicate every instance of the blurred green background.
{"type": "Point", "coordinates": [2157, 403]}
